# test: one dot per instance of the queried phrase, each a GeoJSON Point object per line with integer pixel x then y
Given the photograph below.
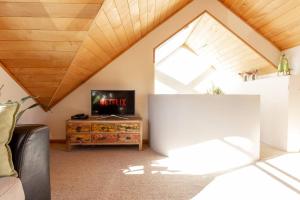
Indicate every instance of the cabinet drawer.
{"type": "Point", "coordinates": [104, 138]}
{"type": "Point", "coordinates": [78, 127]}
{"type": "Point", "coordinates": [128, 138]}
{"type": "Point", "coordinates": [128, 127]}
{"type": "Point", "coordinates": [80, 138]}
{"type": "Point", "coordinates": [103, 128]}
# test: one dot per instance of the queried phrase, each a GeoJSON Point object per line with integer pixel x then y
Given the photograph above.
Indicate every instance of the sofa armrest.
{"type": "Point", "coordinates": [30, 150]}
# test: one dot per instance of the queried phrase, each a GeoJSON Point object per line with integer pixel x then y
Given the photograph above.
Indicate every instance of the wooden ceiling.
{"type": "Point", "coordinates": [217, 45]}
{"type": "Point", "coordinates": [50, 47]}
{"type": "Point", "coordinates": [277, 20]}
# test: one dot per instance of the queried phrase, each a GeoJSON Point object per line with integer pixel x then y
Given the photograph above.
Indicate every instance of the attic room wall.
{"type": "Point", "coordinates": [12, 91]}
{"type": "Point", "coordinates": [134, 69]}
{"type": "Point", "coordinates": [293, 138]}
{"type": "Point", "coordinates": [274, 99]}
{"type": "Point", "coordinates": [280, 97]}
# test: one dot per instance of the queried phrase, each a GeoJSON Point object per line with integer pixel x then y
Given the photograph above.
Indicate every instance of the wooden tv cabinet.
{"type": "Point", "coordinates": [105, 131]}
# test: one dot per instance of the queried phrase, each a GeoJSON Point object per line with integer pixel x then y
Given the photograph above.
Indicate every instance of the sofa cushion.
{"type": "Point", "coordinates": [8, 113]}
{"type": "Point", "coordinates": [11, 188]}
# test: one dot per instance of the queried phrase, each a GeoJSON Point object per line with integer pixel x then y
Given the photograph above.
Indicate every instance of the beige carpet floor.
{"type": "Point", "coordinates": [117, 173]}
{"type": "Point", "coordinates": [124, 173]}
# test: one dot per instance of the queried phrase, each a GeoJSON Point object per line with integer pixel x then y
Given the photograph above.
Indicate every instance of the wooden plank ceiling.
{"type": "Point", "coordinates": [277, 20]}
{"type": "Point", "coordinates": [211, 39]}
{"type": "Point", "coordinates": [50, 47]}
{"type": "Point", "coordinates": [218, 46]}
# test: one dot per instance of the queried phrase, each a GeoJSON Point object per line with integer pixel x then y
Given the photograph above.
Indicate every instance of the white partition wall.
{"type": "Point", "coordinates": [208, 129]}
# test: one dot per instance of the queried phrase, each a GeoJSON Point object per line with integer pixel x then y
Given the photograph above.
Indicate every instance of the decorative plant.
{"type": "Point", "coordinates": [21, 102]}
{"type": "Point", "coordinates": [283, 66]}
{"type": "Point", "coordinates": [250, 75]}
{"type": "Point", "coordinates": [215, 90]}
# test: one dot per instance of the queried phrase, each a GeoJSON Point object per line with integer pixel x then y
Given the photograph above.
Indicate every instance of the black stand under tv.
{"type": "Point", "coordinates": [112, 116]}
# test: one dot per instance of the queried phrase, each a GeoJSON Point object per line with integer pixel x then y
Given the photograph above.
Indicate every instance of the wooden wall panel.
{"type": "Point", "coordinates": [38, 63]}
{"type": "Point", "coordinates": [109, 33]}
{"type": "Point", "coordinates": [45, 23]}
{"type": "Point", "coordinates": [211, 40]}
{"type": "Point", "coordinates": [39, 39]}
{"type": "Point", "coordinates": [61, 43]}
{"type": "Point", "coordinates": [97, 50]}
{"type": "Point", "coordinates": [42, 35]}
{"type": "Point", "coordinates": [39, 46]}
{"type": "Point", "coordinates": [56, 1]}
{"type": "Point", "coordinates": [143, 10]}
{"type": "Point", "coordinates": [46, 55]}
{"type": "Point", "coordinates": [126, 20]}
{"type": "Point", "coordinates": [30, 9]}
{"type": "Point", "coordinates": [135, 18]}
{"type": "Point", "coordinates": [111, 11]}
{"type": "Point", "coordinates": [277, 20]}
{"type": "Point", "coordinates": [118, 25]}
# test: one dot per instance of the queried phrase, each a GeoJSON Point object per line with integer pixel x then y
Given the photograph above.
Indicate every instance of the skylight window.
{"type": "Point", "coordinates": [173, 43]}
{"type": "Point", "coordinates": [204, 54]}
{"type": "Point", "coordinates": [183, 65]}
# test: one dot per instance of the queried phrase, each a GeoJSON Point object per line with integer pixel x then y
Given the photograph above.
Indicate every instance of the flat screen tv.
{"type": "Point", "coordinates": [112, 102]}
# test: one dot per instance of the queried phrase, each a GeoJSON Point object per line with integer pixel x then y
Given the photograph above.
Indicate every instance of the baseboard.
{"type": "Point", "coordinates": [59, 141]}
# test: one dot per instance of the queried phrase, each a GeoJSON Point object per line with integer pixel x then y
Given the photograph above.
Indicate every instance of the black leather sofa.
{"type": "Point", "coordinates": [30, 150]}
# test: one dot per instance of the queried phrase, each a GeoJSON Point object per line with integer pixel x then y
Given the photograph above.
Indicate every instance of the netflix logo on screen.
{"type": "Point", "coordinates": [117, 102]}
{"type": "Point", "coordinates": [112, 102]}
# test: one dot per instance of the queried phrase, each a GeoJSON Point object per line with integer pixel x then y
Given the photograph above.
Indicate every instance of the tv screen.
{"type": "Point", "coordinates": [112, 102]}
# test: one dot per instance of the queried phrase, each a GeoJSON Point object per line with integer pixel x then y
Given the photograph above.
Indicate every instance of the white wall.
{"type": "Point", "coordinates": [280, 109]}
{"type": "Point", "coordinates": [134, 69]}
{"type": "Point", "coordinates": [274, 107]}
{"type": "Point", "coordinates": [280, 105]}
{"type": "Point", "coordinates": [12, 91]}
{"type": "Point", "coordinates": [293, 139]}
{"type": "Point", "coordinates": [293, 55]}
{"type": "Point", "coordinates": [293, 132]}
{"type": "Point", "coordinates": [209, 127]}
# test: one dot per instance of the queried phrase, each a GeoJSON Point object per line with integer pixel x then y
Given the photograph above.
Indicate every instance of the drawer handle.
{"type": "Point", "coordinates": [78, 128]}
{"type": "Point", "coordinates": [128, 138]}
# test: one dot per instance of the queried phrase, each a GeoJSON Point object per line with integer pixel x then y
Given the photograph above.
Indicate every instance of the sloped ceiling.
{"type": "Point", "coordinates": [50, 47]}
{"type": "Point", "coordinates": [276, 20]}
{"type": "Point", "coordinates": [216, 45]}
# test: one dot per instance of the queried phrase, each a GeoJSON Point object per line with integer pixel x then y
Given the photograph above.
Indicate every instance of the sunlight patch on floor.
{"type": "Point", "coordinates": [278, 175]}
{"type": "Point", "coordinates": [276, 178]}
{"type": "Point", "coordinates": [132, 170]}
{"type": "Point", "coordinates": [247, 183]}
{"type": "Point", "coordinates": [288, 164]}
{"type": "Point", "coordinates": [205, 158]}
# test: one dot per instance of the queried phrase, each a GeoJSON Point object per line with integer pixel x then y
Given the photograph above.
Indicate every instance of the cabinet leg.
{"type": "Point", "coordinates": [69, 147]}
{"type": "Point", "coordinates": [140, 146]}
